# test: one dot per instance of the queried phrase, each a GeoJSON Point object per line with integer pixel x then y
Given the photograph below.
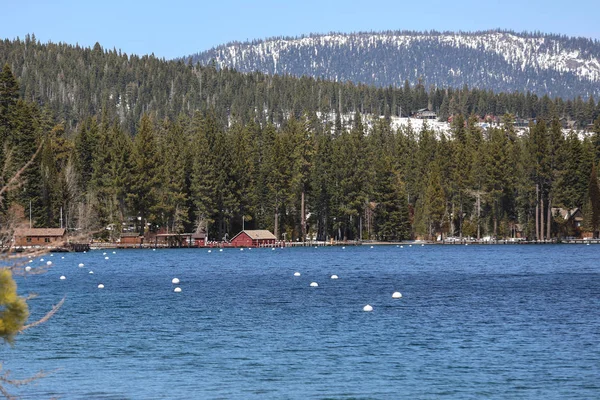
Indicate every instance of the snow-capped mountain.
{"type": "Point", "coordinates": [498, 60]}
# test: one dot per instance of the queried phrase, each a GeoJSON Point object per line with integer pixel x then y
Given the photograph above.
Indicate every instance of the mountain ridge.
{"type": "Point", "coordinates": [496, 59]}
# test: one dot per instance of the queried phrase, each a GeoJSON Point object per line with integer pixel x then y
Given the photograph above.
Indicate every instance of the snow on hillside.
{"type": "Point", "coordinates": [438, 127]}
{"type": "Point", "coordinates": [540, 53]}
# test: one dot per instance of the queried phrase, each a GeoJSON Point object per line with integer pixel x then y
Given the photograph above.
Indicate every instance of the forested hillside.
{"type": "Point", "coordinates": [75, 82]}
{"type": "Point", "coordinates": [197, 146]}
{"type": "Point", "coordinates": [498, 60]}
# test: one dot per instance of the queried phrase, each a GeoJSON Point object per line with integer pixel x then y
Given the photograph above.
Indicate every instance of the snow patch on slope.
{"type": "Point", "coordinates": [540, 53]}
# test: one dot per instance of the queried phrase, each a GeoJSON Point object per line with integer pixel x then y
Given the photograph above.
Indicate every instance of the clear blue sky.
{"type": "Point", "coordinates": [181, 27]}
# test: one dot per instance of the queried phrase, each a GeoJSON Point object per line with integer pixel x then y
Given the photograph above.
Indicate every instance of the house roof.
{"type": "Point", "coordinates": [564, 213]}
{"type": "Point", "coordinates": [199, 235]}
{"type": "Point", "coordinates": [130, 234]}
{"type": "Point", "coordinates": [257, 235]}
{"type": "Point", "coordinates": [39, 232]}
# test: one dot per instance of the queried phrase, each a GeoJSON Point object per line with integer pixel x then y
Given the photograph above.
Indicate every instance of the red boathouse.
{"type": "Point", "coordinates": [255, 238]}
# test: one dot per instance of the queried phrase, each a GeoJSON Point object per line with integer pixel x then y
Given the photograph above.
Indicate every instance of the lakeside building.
{"type": "Point", "coordinates": [39, 237]}
{"type": "Point", "coordinates": [254, 238]}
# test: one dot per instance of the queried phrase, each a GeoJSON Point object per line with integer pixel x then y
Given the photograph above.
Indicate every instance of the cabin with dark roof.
{"type": "Point", "coordinates": [39, 236]}
{"type": "Point", "coordinates": [424, 113]}
{"type": "Point", "coordinates": [569, 221]}
{"type": "Point", "coordinates": [254, 238]}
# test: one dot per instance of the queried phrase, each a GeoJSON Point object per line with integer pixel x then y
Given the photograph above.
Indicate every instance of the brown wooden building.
{"type": "Point", "coordinates": [172, 239]}
{"type": "Point", "coordinates": [254, 238]}
{"type": "Point", "coordinates": [39, 237]}
{"type": "Point", "coordinates": [131, 239]}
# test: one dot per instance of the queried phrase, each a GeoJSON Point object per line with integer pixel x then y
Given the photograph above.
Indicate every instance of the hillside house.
{"type": "Point", "coordinates": [424, 113]}
{"type": "Point", "coordinates": [567, 123]}
{"type": "Point", "coordinates": [39, 237]}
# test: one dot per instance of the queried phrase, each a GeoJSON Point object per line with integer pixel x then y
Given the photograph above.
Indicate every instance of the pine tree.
{"type": "Point", "coordinates": [594, 202]}
{"type": "Point", "coordinates": [302, 142]}
{"type": "Point", "coordinates": [14, 311]}
{"type": "Point", "coordinates": [203, 175]}
{"type": "Point", "coordinates": [145, 176]}
{"type": "Point", "coordinates": [174, 150]}
{"type": "Point", "coordinates": [86, 143]}
{"type": "Point", "coordinates": [9, 94]}
{"type": "Point", "coordinates": [434, 207]}
{"type": "Point", "coordinates": [245, 170]}
{"type": "Point", "coordinates": [24, 143]}
{"type": "Point", "coordinates": [391, 212]}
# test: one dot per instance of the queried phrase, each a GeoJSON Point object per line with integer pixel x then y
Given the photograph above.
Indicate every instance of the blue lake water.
{"type": "Point", "coordinates": [474, 322]}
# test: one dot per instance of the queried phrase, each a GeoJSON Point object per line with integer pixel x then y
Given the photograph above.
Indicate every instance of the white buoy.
{"type": "Point", "coordinates": [175, 281]}
{"type": "Point", "coordinates": [100, 286]}
{"type": "Point", "coordinates": [62, 277]}
{"type": "Point", "coordinates": [51, 255]}
{"type": "Point", "coordinates": [210, 251]}
{"type": "Point", "coordinates": [401, 247]}
{"type": "Point", "coordinates": [84, 252]}
{"type": "Point", "coordinates": [153, 249]}
{"type": "Point", "coordinates": [410, 245]}
{"type": "Point", "coordinates": [220, 249]}
{"type": "Point", "coordinates": [314, 284]}
{"type": "Point", "coordinates": [334, 276]}
{"type": "Point", "coordinates": [103, 254]}
{"type": "Point", "coordinates": [177, 290]}
{"type": "Point", "coordinates": [367, 308]}
{"type": "Point", "coordinates": [62, 258]}
{"type": "Point", "coordinates": [28, 268]}
{"type": "Point", "coordinates": [422, 245]}
{"type": "Point", "coordinates": [91, 272]}
{"type": "Point", "coordinates": [41, 260]}
{"type": "Point", "coordinates": [371, 246]}
{"type": "Point", "coordinates": [296, 273]}
{"type": "Point", "coordinates": [106, 258]}
{"type": "Point", "coordinates": [241, 249]}
{"type": "Point", "coordinates": [396, 295]}
{"type": "Point", "coordinates": [48, 262]}
{"type": "Point", "coordinates": [81, 265]}
{"type": "Point", "coordinates": [114, 252]}
{"type": "Point", "coordinates": [343, 247]}
{"type": "Point", "coordinates": [272, 248]}
{"type": "Point", "coordinates": [30, 261]}
{"type": "Point", "coordinates": [587, 244]}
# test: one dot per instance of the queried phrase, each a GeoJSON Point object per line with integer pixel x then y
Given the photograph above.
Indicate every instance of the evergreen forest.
{"type": "Point", "coordinates": [105, 143]}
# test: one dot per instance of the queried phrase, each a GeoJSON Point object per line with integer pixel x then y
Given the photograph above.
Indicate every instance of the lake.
{"type": "Point", "coordinates": [514, 321]}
